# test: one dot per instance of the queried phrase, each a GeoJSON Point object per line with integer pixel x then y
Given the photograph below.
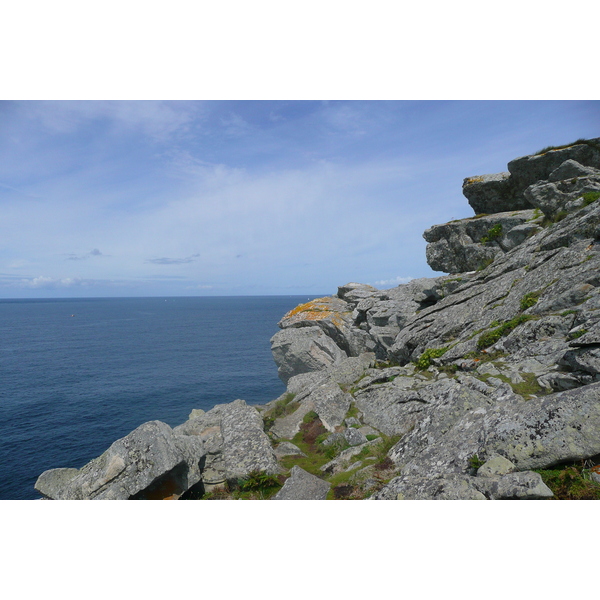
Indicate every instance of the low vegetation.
{"type": "Point", "coordinates": [530, 299]}
{"type": "Point", "coordinates": [489, 338]}
{"type": "Point", "coordinates": [571, 482]}
{"type": "Point", "coordinates": [493, 234]}
{"type": "Point", "coordinates": [590, 197]}
{"type": "Point", "coordinates": [424, 361]}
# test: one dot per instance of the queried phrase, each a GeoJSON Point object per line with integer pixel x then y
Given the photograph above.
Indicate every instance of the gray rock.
{"type": "Point", "coordinates": [334, 316]}
{"type": "Point", "coordinates": [287, 427]}
{"type": "Point", "coordinates": [150, 462]}
{"type": "Point", "coordinates": [570, 169]}
{"type": "Point", "coordinates": [331, 404]}
{"type": "Point", "coordinates": [513, 486]}
{"type": "Point", "coordinates": [492, 194]}
{"type": "Point", "coordinates": [303, 486]}
{"type": "Point", "coordinates": [343, 461]}
{"type": "Point", "coordinates": [246, 447]}
{"type": "Point", "coordinates": [287, 449]}
{"type": "Point", "coordinates": [354, 437]}
{"type": "Point", "coordinates": [527, 170]}
{"type": "Point", "coordinates": [553, 196]}
{"type": "Point", "coordinates": [355, 292]}
{"type": "Point", "coordinates": [302, 350]}
{"type": "Point", "coordinates": [496, 465]}
{"type": "Point", "coordinates": [467, 244]}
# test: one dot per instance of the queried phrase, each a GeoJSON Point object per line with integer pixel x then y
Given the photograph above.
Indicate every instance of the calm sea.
{"type": "Point", "coordinates": [78, 374]}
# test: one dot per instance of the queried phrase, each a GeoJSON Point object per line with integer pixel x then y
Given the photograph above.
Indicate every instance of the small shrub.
{"type": "Point", "coordinates": [424, 361]}
{"type": "Point", "coordinates": [475, 462]}
{"type": "Point", "coordinates": [257, 480]}
{"type": "Point", "coordinates": [494, 233]}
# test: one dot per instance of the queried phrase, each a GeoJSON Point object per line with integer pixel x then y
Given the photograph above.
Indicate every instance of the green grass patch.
{"type": "Point", "coordinates": [530, 299]}
{"type": "Point", "coordinates": [489, 338]}
{"type": "Point", "coordinates": [577, 334]}
{"type": "Point", "coordinates": [572, 482]}
{"type": "Point", "coordinates": [590, 197]}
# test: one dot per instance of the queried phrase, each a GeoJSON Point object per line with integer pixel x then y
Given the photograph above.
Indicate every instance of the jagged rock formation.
{"type": "Point", "coordinates": [460, 386]}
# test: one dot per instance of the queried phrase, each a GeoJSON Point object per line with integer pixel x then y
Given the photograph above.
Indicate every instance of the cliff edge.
{"type": "Point", "coordinates": [483, 383]}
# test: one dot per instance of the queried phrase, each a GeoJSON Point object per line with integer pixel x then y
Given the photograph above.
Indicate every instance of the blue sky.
{"type": "Point", "coordinates": [147, 198]}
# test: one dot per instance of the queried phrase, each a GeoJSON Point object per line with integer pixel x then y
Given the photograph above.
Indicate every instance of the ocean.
{"type": "Point", "coordinates": [78, 374]}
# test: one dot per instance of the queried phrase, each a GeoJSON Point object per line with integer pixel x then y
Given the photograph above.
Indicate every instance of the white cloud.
{"type": "Point", "coordinates": [393, 282]}
{"type": "Point", "coordinates": [50, 282]}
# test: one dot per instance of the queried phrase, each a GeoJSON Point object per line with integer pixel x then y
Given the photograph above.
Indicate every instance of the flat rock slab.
{"type": "Point", "coordinates": [303, 486]}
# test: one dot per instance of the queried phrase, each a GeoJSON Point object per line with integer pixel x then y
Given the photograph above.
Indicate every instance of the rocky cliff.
{"type": "Point", "coordinates": [480, 384]}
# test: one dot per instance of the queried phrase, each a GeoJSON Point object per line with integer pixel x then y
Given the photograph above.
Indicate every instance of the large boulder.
{"type": "Point", "coordinates": [303, 350]}
{"type": "Point", "coordinates": [246, 447]}
{"type": "Point", "coordinates": [493, 193]}
{"type": "Point", "coordinates": [503, 192]}
{"type": "Point", "coordinates": [470, 244]}
{"type": "Point", "coordinates": [150, 463]}
{"type": "Point", "coordinates": [334, 316]}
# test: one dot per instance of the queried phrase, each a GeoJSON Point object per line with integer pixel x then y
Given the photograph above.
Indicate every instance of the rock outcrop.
{"type": "Point", "coordinates": [470, 385]}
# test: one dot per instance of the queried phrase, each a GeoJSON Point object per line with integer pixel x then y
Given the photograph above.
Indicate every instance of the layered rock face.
{"type": "Point", "coordinates": [460, 386]}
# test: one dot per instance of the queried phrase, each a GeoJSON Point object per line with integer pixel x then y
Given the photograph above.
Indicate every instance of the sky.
{"type": "Point", "coordinates": [193, 198]}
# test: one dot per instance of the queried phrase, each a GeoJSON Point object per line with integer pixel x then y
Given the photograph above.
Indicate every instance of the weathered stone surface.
{"type": "Point", "coordinates": [468, 244]}
{"type": "Point", "coordinates": [514, 486]}
{"type": "Point", "coordinates": [331, 404]}
{"type": "Point", "coordinates": [493, 193]}
{"type": "Point", "coordinates": [246, 447]}
{"type": "Point", "coordinates": [287, 427]}
{"type": "Point", "coordinates": [287, 449]}
{"type": "Point", "coordinates": [303, 486]}
{"type": "Point", "coordinates": [304, 349]}
{"type": "Point", "coordinates": [151, 462]}
{"type": "Point", "coordinates": [551, 197]}
{"type": "Point", "coordinates": [354, 437]}
{"type": "Point", "coordinates": [343, 460]}
{"type": "Point", "coordinates": [354, 292]}
{"type": "Point", "coordinates": [334, 316]}
{"type": "Point", "coordinates": [527, 170]}
{"type": "Point", "coordinates": [496, 465]}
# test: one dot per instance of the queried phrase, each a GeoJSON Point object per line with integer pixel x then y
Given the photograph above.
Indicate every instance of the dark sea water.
{"type": "Point", "coordinates": [78, 374]}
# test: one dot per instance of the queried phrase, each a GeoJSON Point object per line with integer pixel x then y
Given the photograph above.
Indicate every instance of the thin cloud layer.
{"type": "Point", "coordinates": [246, 197]}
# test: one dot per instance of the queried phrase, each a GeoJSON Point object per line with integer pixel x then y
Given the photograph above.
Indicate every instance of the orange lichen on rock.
{"type": "Point", "coordinates": [315, 310]}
